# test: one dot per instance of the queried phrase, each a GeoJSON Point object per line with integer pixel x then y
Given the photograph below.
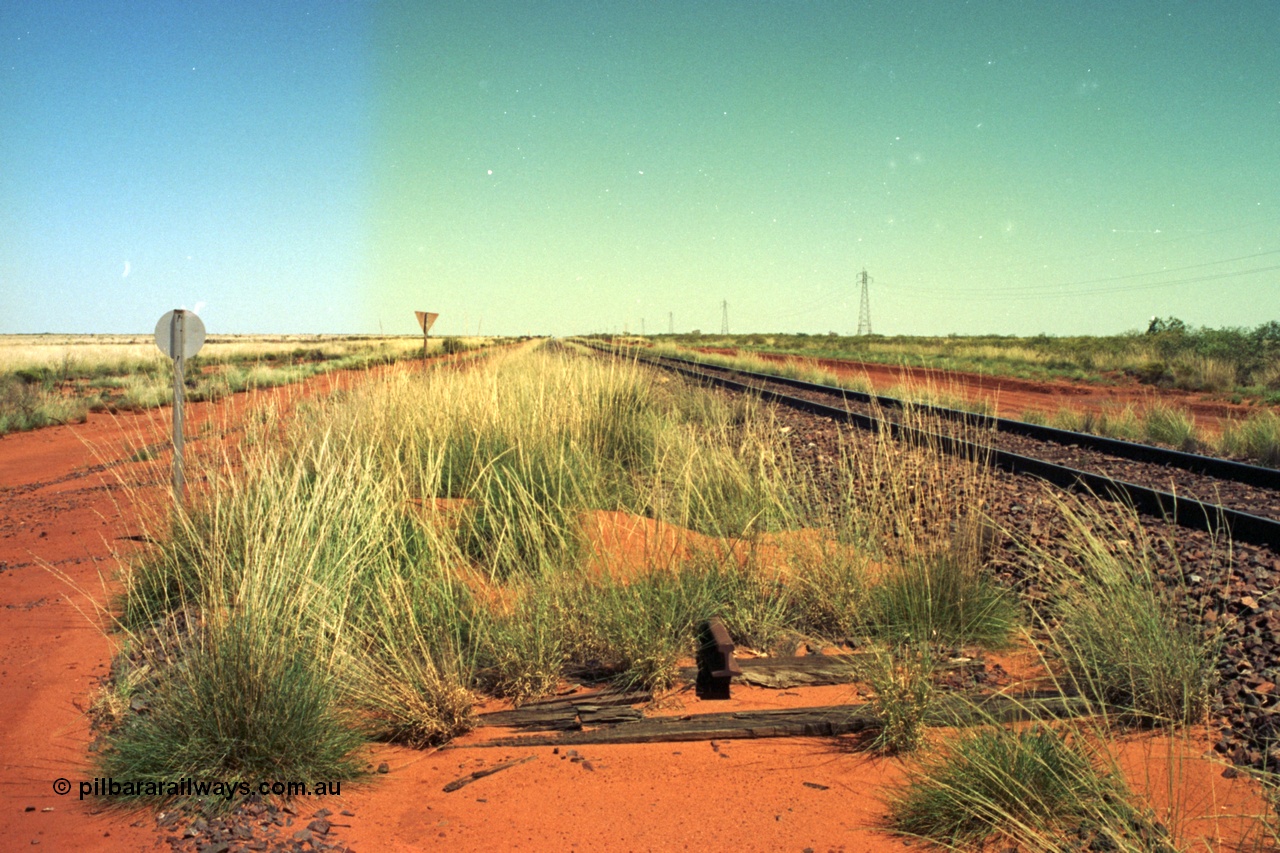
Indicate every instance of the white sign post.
{"type": "Point", "coordinates": [179, 335]}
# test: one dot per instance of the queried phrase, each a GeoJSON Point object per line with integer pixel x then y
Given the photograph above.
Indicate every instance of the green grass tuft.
{"type": "Point", "coordinates": [942, 599]}
{"type": "Point", "coordinates": [243, 704]}
{"type": "Point", "coordinates": [901, 680]}
{"type": "Point", "coordinates": [1117, 625]}
{"type": "Point", "coordinates": [1033, 787]}
{"type": "Point", "coordinates": [1257, 438]}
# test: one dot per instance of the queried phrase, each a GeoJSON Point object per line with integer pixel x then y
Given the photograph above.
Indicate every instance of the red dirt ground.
{"type": "Point", "coordinates": [64, 523]}
{"type": "Point", "coordinates": [1011, 397]}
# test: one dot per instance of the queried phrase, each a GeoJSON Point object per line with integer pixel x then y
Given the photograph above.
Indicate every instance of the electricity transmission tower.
{"type": "Point", "coordinates": [724, 317]}
{"type": "Point", "coordinates": [671, 323]}
{"type": "Point", "coordinates": [864, 306]}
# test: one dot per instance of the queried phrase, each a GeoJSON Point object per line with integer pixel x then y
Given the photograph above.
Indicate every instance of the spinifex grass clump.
{"type": "Point", "coordinates": [242, 703]}
{"type": "Point", "coordinates": [522, 648]}
{"type": "Point", "coordinates": [901, 681]}
{"type": "Point", "coordinates": [1118, 423]}
{"type": "Point", "coordinates": [830, 596]}
{"type": "Point", "coordinates": [319, 614]}
{"type": "Point", "coordinates": [636, 632]}
{"type": "Point", "coordinates": [1034, 787]}
{"type": "Point", "coordinates": [407, 665]}
{"type": "Point", "coordinates": [920, 512]}
{"type": "Point", "coordinates": [1175, 427]}
{"type": "Point", "coordinates": [942, 598]}
{"type": "Point", "coordinates": [1257, 437]}
{"type": "Point", "coordinates": [523, 518]}
{"type": "Point", "coordinates": [756, 602]}
{"type": "Point", "coordinates": [1117, 624]}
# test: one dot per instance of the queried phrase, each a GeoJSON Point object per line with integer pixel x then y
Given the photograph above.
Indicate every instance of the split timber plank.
{"type": "Point", "coordinates": [563, 714]}
{"type": "Point", "coordinates": [557, 718]}
{"type": "Point", "coordinates": [826, 721]}
{"type": "Point", "coordinates": [601, 698]}
{"type": "Point", "coordinates": [782, 673]}
{"type": "Point", "coordinates": [591, 715]}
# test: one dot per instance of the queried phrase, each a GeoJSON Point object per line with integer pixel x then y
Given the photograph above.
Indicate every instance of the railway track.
{"type": "Point", "coordinates": [1191, 490]}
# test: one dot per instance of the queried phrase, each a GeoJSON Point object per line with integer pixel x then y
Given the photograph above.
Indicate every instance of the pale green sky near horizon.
{"type": "Point", "coordinates": [997, 167]}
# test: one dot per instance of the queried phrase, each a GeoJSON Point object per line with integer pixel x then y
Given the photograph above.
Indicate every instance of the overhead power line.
{"type": "Point", "coordinates": [1028, 288]}
{"type": "Point", "coordinates": [1067, 289]}
{"type": "Point", "coordinates": [1033, 256]}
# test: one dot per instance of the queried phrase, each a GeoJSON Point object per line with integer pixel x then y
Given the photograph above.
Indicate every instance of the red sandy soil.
{"type": "Point", "coordinates": [64, 526]}
{"type": "Point", "coordinates": [1012, 397]}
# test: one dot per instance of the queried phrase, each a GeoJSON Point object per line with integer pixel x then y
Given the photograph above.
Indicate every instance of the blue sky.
{"type": "Point", "coordinates": [207, 155]}
{"type": "Point", "coordinates": [574, 167]}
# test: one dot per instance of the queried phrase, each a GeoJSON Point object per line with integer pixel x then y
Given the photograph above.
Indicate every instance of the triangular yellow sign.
{"type": "Point", "coordinates": [426, 320]}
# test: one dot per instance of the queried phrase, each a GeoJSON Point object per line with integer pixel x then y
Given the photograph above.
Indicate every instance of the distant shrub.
{"type": "Point", "coordinates": [1256, 438]}
{"type": "Point", "coordinates": [25, 405]}
{"type": "Point", "coordinates": [1175, 427]}
{"type": "Point", "coordinates": [1207, 374]}
{"type": "Point", "coordinates": [1153, 373]}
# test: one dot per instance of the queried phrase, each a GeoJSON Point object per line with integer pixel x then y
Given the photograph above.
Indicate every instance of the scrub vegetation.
{"type": "Point", "coordinates": [1168, 353]}
{"type": "Point", "coordinates": [372, 567]}
{"type": "Point", "coordinates": [1116, 633]}
{"type": "Point", "coordinates": [58, 379]}
{"type": "Point", "coordinates": [1256, 438]}
{"type": "Point", "coordinates": [429, 537]}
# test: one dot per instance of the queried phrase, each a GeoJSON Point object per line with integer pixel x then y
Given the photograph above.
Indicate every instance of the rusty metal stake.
{"type": "Point", "coordinates": [716, 666]}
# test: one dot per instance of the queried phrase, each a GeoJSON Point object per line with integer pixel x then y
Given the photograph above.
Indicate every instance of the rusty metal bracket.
{"type": "Point", "coordinates": [716, 666]}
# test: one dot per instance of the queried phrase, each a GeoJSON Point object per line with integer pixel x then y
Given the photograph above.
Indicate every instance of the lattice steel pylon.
{"type": "Point", "coordinates": [864, 306]}
{"type": "Point", "coordinates": [724, 316]}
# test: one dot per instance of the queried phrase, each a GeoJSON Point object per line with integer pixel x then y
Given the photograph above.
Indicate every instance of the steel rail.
{"type": "Point", "coordinates": [1209, 466]}
{"type": "Point", "coordinates": [1184, 511]}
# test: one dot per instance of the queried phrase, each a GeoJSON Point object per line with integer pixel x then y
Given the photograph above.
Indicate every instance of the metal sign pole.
{"type": "Point", "coordinates": [425, 319]}
{"type": "Point", "coordinates": [177, 345]}
{"type": "Point", "coordinates": [179, 335]}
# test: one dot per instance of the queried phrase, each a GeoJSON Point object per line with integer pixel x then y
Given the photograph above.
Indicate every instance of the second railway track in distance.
{"type": "Point", "coordinates": [1195, 491]}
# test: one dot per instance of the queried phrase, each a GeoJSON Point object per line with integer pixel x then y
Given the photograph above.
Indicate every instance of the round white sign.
{"type": "Point", "coordinates": [192, 334]}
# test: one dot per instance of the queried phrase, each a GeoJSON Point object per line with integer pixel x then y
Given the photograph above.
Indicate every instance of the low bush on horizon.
{"type": "Point", "coordinates": [38, 390]}
{"type": "Point", "coordinates": [1168, 352]}
{"type": "Point", "coordinates": [1255, 439]}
